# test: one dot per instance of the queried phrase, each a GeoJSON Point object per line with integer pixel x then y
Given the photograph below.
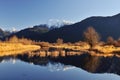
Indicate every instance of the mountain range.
{"type": "Point", "coordinates": [105, 26]}
{"type": "Point", "coordinates": [4, 33]}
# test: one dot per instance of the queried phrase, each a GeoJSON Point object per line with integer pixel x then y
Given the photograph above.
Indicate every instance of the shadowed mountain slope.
{"type": "Point", "coordinates": [106, 26]}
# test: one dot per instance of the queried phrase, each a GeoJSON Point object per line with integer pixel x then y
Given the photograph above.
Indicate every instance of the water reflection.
{"type": "Point", "coordinates": [72, 67]}
{"type": "Point", "coordinates": [8, 59]}
{"type": "Point", "coordinates": [58, 67]}
{"type": "Point", "coordinates": [93, 64]}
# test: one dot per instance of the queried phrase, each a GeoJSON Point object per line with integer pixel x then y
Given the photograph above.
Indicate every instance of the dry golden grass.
{"type": "Point", "coordinates": [72, 47]}
{"type": "Point", "coordinates": [21, 46]}
{"type": "Point", "coordinates": [107, 49]}
{"type": "Point", "coordinates": [15, 48]}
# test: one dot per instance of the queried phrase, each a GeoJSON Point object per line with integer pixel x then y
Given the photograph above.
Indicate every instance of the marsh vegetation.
{"type": "Point", "coordinates": [91, 45]}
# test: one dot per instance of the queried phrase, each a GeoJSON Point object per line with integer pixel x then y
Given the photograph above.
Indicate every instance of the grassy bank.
{"type": "Point", "coordinates": [71, 49]}
{"type": "Point", "coordinates": [15, 48]}
{"type": "Point", "coordinates": [19, 46]}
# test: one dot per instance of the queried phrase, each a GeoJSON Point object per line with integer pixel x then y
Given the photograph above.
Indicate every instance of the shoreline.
{"type": "Point", "coordinates": [56, 50]}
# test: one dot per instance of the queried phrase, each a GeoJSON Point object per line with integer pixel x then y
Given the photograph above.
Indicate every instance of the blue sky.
{"type": "Point", "coordinates": [25, 13]}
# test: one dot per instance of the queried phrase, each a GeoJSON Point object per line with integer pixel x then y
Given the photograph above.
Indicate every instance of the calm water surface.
{"type": "Point", "coordinates": [70, 68]}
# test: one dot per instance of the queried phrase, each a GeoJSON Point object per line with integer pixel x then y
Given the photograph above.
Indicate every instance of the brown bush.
{"type": "Point", "coordinates": [25, 41]}
{"type": "Point", "coordinates": [91, 36]}
{"type": "Point", "coordinates": [59, 41]}
{"type": "Point", "coordinates": [110, 40]}
{"type": "Point", "coordinates": [44, 44]}
{"type": "Point", "coordinates": [15, 39]}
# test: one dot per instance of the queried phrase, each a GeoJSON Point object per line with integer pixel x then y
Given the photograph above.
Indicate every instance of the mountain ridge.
{"type": "Point", "coordinates": [106, 26]}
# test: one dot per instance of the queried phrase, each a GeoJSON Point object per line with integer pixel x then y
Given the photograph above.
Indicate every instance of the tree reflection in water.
{"type": "Point", "coordinates": [87, 62]}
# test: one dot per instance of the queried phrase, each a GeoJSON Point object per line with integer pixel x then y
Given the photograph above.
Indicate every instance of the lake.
{"type": "Point", "coordinates": [83, 67]}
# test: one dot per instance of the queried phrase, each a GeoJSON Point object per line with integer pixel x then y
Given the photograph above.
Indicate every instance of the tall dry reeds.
{"type": "Point", "coordinates": [15, 39]}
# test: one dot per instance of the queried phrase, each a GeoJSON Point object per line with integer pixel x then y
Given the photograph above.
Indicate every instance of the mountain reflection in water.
{"type": "Point", "coordinates": [86, 62]}
{"type": "Point", "coordinates": [93, 64]}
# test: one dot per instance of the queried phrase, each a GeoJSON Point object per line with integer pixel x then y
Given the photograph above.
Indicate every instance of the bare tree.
{"type": "Point", "coordinates": [91, 36]}
{"type": "Point", "coordinates": [110, 40]}
{"type": "Point", "coordinates": [59, 41]}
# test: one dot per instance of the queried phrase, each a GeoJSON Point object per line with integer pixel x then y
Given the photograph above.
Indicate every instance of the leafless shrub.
{"type": "Point", "coordinates": [59, 41]}
{"type": "Point", "coordinates": [91, 36]}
